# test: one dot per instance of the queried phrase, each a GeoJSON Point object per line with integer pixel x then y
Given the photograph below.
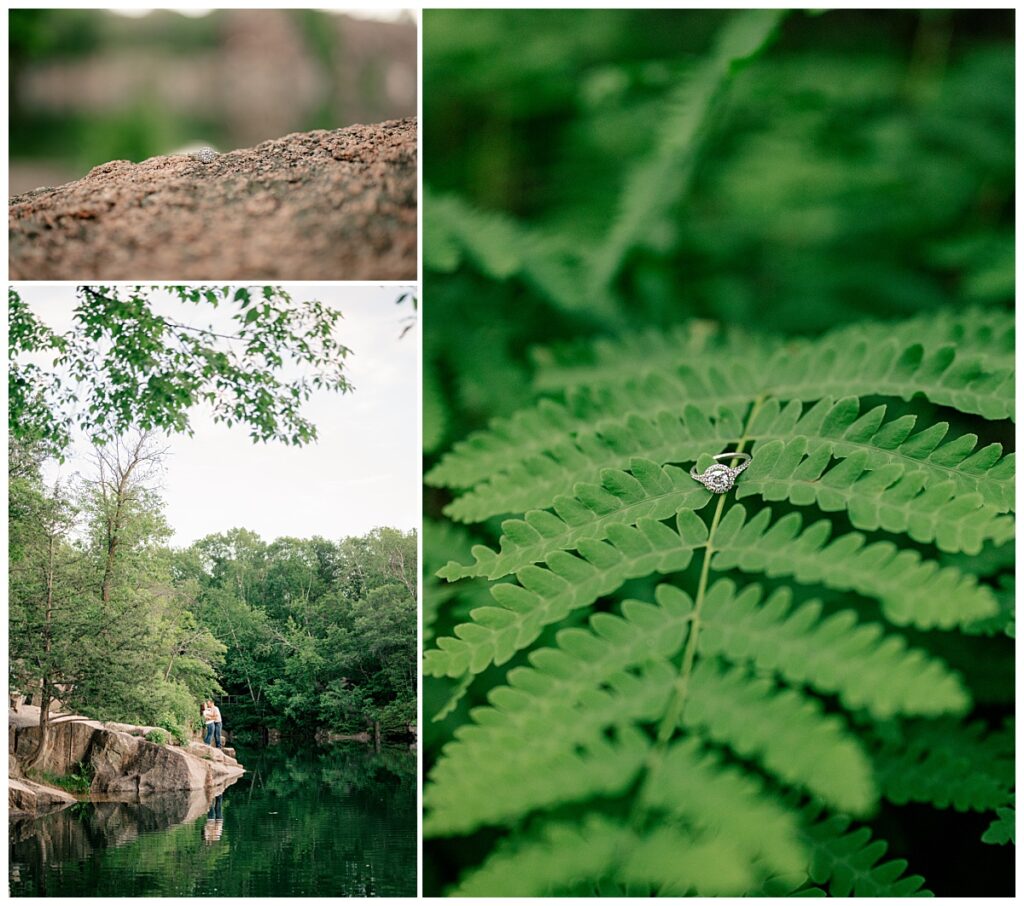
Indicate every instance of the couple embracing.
{"type": "Point", "coordinates": [214, 723]}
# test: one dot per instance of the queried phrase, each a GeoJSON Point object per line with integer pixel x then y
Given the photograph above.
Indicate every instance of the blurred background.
{"type": "Point", "coordinates": [862, 167]}
{"type": "Point", "coordinates": [90, 86]}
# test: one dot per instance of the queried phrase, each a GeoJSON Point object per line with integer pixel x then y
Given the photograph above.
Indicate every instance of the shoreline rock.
{"type": "Point", "coordinates": [26, 797]}
{"type": "Point", "coordinates": [330, 736]}
{"type": "Point", "coordinates": [122, 761]}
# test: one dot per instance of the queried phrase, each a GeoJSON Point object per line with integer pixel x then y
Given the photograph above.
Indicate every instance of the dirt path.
{"type": "Point", "coordinates": [332, 205]}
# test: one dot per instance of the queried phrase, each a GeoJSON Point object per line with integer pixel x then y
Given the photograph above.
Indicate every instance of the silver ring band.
{"type": "Point", "coordinates": [720, 478]}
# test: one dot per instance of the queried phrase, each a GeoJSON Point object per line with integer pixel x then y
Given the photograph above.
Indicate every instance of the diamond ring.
{"type": "Point", "coordinates": [719, 478]}
{"type": "Point", "coordinates": [204, 155]}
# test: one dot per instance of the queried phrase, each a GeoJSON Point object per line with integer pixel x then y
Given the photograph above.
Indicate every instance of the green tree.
{"type": "Point", "coordinates": [319, 635]}
{"type": "Point", "coordinates": [122, 366]}
{"type": "Point", "coordinates": [96, 622]}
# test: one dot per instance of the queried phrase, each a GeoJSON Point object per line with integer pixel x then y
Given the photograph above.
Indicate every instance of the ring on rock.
{"type": "Point", "coordinates": [204, 155]}
{"type": "Point", "coordinates": [719, 478]}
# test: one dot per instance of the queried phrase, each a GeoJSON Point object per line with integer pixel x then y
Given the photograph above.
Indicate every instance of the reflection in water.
{"type": "Point", "coordinates": [214, 827]}
{"type": "Point", "coordinates": [331, 821]}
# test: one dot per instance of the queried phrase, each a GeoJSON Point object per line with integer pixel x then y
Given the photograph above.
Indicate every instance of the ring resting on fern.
{"type": "Point", "coordinates": [719, 478]}
{"type": "Point", "coordinates": [698, 696]}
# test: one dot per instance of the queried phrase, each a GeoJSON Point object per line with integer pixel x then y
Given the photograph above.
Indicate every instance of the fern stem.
{"type": "Point", "coordinates": [681, 687]}
{"type": "Point", "coordinates": [675, 708]}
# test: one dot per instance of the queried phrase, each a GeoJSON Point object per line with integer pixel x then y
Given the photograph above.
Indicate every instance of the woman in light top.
{"type": "Point", "coordinates": [211, 714]}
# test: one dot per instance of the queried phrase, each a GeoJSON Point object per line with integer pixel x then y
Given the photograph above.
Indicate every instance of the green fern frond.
{"type": "Point", "coordinates": [502, 249]}
{"type": "Point", "coordinates": [890, 493]}
{"type": "Point", "coordinates": [534, 481]}
{"type": "Point", "coordinates": [690, 782]}
{"type": "Point", "coordinates": [835, 654]}
{"type": "Point", "coordinates": [662, 178]}
{"type": "Point", "coordinates": [912, 590]}
{"type": "Point", "coordinates": [563, 858]}
{"type": "Point", "coordinates": [587, 420]}
{"type": "Point", "coordinates": [759, 839]}
{"type": "Point", "coordinates": [948, 765]}
{"type": "Point", "coordinates": [796, 695]}
{"type": "Point", "coordinates": [887, 498]}
{"type": "Point", "coordinates": [556, 858]}
{"type": "Point", "coordinates": [604, 360]}
{"type": "Point", "coordinates": [689, 785]}
{"type": "Point", "coordinates": [785, 731]}
{"type": "Point", "coordinates": [848, 863]}
{"type": "Point", "coordinates": [618, 672]}
{"type": "Point", "coordinates": [988, 333]}
{"type": "Point", "coordinates": [689, 350]}
{"type": "Point", "coordinates": [1002, 830]}
{"type": "Point", "coordinates": [441, 540]}
{"type": "Point", "coordinates": [647, 492]}
{"type": "Point", "coordinates": [563, 450]}
{"type": "Point", "coordinates": [859, 360]}
{"type": "Point", "coordinates": [548, 594]}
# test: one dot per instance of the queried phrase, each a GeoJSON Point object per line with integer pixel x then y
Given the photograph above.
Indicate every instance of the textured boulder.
{"type": "Point", "coordinates": [324, 205]}
{"type": "Point", "coordinates": [121, 761]}
{"type": "Point", "coordinates": [25, 797]}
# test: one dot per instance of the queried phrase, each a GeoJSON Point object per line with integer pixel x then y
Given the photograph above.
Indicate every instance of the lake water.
{"type": "Point", "coordinates": [324, 821]}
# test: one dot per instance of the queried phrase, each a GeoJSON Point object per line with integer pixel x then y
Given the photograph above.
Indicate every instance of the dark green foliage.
{"type": "Point", "coordinates": [318, 634]}
{"type": "Point", "coordinates": [77, 780]}
{"type": "Point", "coordinates": [684, 233]}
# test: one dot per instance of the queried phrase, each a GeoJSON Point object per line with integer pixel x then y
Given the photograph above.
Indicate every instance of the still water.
{"type": "Point", "coordinates": [323, 821]}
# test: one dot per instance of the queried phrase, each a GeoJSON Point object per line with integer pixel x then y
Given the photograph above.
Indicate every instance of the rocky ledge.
{"type": "Point", "coordinates": [119, 758]}
{"type": "Point", "coordinates": [324, 205]}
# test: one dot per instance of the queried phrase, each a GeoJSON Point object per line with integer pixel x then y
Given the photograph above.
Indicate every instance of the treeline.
{"type": "Point", "coordinates": [318, 634]}
{"type": "Point", "coordinates": [111, 621]}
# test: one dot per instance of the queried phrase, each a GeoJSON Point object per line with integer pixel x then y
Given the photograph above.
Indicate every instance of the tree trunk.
{"type": "Point", "coordinates": [45, 695]}
{"type": "Point", "coordinates": [44, 728]}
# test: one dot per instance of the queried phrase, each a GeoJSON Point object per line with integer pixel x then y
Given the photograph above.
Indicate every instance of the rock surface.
{"type": "Point", "coordinates": [25, 797]}
{"type": "Point", "coordinates": [324, 205]}
{"type": "Point", "coordinates": [121, 762]}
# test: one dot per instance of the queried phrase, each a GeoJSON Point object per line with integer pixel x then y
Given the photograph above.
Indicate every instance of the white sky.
{"type": "Point", "coordinates": [364, 470]}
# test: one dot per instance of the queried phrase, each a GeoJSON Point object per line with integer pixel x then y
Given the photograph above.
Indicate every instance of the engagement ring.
{"type": "Point", "coordinates": [204, 155]}
{"type": "Point", "coordinates": [719, 478]}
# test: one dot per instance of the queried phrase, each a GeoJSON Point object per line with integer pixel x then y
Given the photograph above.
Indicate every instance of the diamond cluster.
{"type": "Point", "coordinates": [205, 155]}
{"type": "Point", "coordinates": [718, 479]}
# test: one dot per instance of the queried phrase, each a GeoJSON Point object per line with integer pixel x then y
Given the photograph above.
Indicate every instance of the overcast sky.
{"type": "Point", "coordinates": [364, 470]}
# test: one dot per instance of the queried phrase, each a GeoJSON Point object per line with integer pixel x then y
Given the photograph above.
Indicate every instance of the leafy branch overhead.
{"type": "Point", "coordinates": [122, 364]}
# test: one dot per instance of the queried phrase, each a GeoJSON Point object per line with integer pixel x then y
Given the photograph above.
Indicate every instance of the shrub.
{"type": "Point", "coordinates": [160, 737]}
{"type": "Point", "coordinates": [77, 780]}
